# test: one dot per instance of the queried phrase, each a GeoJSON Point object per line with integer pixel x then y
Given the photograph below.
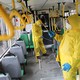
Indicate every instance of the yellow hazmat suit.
{"type": "Point", "coordinates": [37, 40]}
{"type": "Point", "coordinates": [70, 48]}
{"type": "Point", "coordinates": [58, 38]}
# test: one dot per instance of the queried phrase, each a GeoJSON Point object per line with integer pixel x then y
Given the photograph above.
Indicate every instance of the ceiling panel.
{"type": "Point", "coordinates": [39, 4]}
{"type": "Point", "coordinates": [36, 4]}
{"type": "Point", "coordinates": [45, 4]}
{"type": "Point", "coordinates": [7, 1]}
{"type": "Point", "coordinates": [36, 8]}
{"type": "Point", "coordinates": [8, 4]}
{"type": "Point", "coordinates": [68, 4]}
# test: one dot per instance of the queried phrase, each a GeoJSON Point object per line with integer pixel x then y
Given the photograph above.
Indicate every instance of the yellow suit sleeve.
{"type": "Point", "coordinates": [58, 37]}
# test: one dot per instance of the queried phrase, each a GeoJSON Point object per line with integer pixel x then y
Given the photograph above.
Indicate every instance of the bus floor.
{"type": "Point", "coordinates": [50, 69]}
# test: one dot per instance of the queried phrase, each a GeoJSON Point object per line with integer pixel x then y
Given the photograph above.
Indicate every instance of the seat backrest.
{"type": "Point", "coordinates": [22, 44]}
{"type": "Point", "coordinates": [11, 65]}
{"type": "Point", "coordinates": [17, 50]}
{"type": "Point", "coordinates": [23, 32]}
{"type": "Point", "coordinates": [5, 77]}
{"type": "Point", "coordinates": [31, 41]}
{"type": "Point", "coordinates": [1, 68]}
{"type": "Point", "coordinates": [25, 38]}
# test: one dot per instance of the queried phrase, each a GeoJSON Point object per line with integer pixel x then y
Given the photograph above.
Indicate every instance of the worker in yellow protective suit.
{"type": "Point", "coordinates": [58, 38]}
{"type": "Point", "coordinates": [37, 40]}
{"type": "Point", "coordinates": [69, 48]}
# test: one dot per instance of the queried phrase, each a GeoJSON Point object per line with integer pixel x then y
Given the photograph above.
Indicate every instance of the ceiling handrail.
{"type": "Point", "coordinates": [7, 21]}
{"type": "Point", "coordinates": [13, 13]}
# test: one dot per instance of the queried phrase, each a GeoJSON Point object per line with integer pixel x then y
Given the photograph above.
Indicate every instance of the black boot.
{"type": "Point", "coordinates": [45, 54]}
{"type": "Point", "coordinates": [38, 57]}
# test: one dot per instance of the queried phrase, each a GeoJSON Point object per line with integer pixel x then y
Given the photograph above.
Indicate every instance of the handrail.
{"type": "Point", "coordinates": [23, 5]}
{"type": "Point", "coordinates": [63, 14]}
{"type": "Point", "coordinates": [7, 21]}
{"type": "Point", "coordinates": [26, 16]}
{"type": "Point", "coordinates": [13, 4]}
{"type": "Point", "coordinates": [77, 3]}
{"type": "Point", "coordinates": [13, 13]}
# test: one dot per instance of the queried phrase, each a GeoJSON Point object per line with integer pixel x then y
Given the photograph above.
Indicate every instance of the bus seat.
{"type": "Point", "coordinates": [11, 65]}
{"type": "Point", "coordinates": [22, 44]}
{"type": "Point", "coordinates": [31, 42]}
{"type": "Point", "coordinates": [25, 38]}
{"type": "Point", "coordinates": [5, 77]}
{"type": "Point", "coordinates": [17, 50]}
{"type": "Point", "coordinates": [23, 32]}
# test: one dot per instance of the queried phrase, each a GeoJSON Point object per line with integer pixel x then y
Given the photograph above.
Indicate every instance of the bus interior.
{"type": "Point", "coordinates": [17, 55]}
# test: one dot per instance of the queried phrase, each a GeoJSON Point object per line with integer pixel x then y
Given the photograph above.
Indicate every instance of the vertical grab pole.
{"type": "Point", "coordinates": [52, 21]}
{"type": "Point", "coordinates": [40, 64]}
{"type": "Point", "coordinates": [77, 3]}
{"type": "Point", "coordinates": [79, 72]}
{"type": "Point", "coordinates": [13, 4]}
{"type": "Point", "coordinates": [54, 24]}
{"type": "Point", "coordinates": [77, 6]}
{"type": "Point", "coordinates": [63, 7]}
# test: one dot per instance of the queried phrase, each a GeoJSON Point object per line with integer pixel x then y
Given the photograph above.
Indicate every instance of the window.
{"type": "Point", "coordinates": [66, 14]}
{"type": "Point", "coordinates": [3, 44]}
{"type": "Point", "coordinates": [72, 12]}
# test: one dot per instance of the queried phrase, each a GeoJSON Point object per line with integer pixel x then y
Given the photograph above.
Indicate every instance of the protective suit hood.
{"type": "Point", "coordinates": [39, 22]}
{"type": "Point", "coordinates": [74, 21]}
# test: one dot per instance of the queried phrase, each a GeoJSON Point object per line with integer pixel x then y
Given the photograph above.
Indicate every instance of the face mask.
{"type": "Point", "coordinates": [68, 26]}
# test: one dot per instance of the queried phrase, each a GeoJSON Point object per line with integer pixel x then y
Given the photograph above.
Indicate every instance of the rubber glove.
{"type": "Point", "coordinates": [66, 67]}
{"type": "Point", "coordinates": [51, 33]}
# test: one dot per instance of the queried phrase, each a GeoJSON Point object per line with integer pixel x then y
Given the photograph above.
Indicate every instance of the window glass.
{"type": "Point", "coordinates": [3, 44]}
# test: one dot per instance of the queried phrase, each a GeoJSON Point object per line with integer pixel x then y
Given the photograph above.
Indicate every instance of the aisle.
{"type": "Point", "coordinates": [50, 69]}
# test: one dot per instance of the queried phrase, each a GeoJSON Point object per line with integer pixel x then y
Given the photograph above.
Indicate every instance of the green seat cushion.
{"type": "Point", "coordinates": [25, 38]}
